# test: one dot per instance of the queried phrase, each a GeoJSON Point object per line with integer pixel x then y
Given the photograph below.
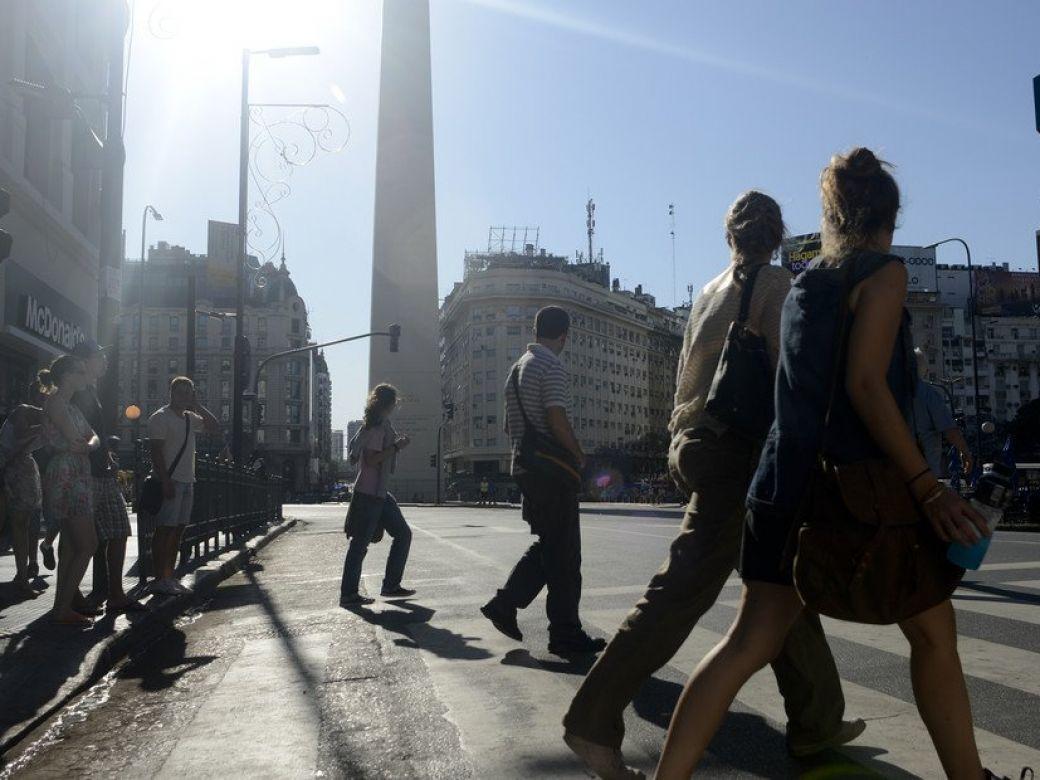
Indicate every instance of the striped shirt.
{"type": "Point", "coordinates": [544, 383]}
{"type": "Point", "coordinates": [715, 309]}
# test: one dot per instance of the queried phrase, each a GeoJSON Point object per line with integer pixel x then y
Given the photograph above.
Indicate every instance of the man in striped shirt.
{"type": "Point", "coordinates": [553, 561]}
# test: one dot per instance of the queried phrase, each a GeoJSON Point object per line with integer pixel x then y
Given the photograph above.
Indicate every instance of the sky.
{"type": "Point", "coordinates": [540, 104]}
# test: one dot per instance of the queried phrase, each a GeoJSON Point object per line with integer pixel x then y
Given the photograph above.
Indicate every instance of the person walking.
{"type": "Point", "coordinates": [373, 509]}
{"type": "Point", "coordinates": [868, 418]}
{"type": "Point", "coordinates": [713, 465]}
{"type": "Point", "coordinates": [933, 422]}
{"type": "Point", "coordinates": [68, 499]}
{"type": "Point", "coordinates": [172, 432]}
{"type": "Point", "coordinates": [111, 519]}
{"type": "Point", "coordinates": [539, 392]}
{"type": "Point", "coordinates": [20, 435]}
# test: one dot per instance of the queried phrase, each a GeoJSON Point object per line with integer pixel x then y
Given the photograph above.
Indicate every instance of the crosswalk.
{"type": "Point", "coordinates": [520, 691]}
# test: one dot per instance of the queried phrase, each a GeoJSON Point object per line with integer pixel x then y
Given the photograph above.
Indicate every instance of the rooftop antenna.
{"type": "Point", "coordinates": [671, 232]}
{"type": "Point", "coordinates": [689, 295]}
{"type": "Point", "coordinates": [590, 223]}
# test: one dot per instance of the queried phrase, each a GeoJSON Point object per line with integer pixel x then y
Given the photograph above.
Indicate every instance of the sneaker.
{"type": "Point", "coordinates": [181, 587]}
{"type": "Point", "coordinates": [849, 730]}
{"type": "Point", "coordinates": [396, 593]}
{"type": "Point", "coordinates": [502, 618]}
{"type": "Point", "coordinates": [606, 762]}
{"type": "Point", "coordinates": [354, 600]}
{"type": "Point", "coordinates": [47, 551]}
{"type": "Point", "coordinates": [578, 644]}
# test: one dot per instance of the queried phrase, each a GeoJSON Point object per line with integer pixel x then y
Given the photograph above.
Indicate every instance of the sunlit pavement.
{"type": "Point", "coordinates": [272, 679]}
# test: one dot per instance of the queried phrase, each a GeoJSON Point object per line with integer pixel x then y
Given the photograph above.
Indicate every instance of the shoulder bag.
{"type": "Point", "coordinates": [151, 499]}
{"type": "Point", "coordinates": [541, 454]}
{"type": "Point", "coordinates": [865, 551]}
{"type": "Point", "coordinates": [741, 394]}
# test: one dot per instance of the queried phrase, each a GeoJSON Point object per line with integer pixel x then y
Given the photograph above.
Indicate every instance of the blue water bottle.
{"type": "Point", "coordinates": [992, 494]}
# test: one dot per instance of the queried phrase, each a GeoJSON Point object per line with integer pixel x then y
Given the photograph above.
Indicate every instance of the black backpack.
{"type": "Point", "coordinates": [741, 395]}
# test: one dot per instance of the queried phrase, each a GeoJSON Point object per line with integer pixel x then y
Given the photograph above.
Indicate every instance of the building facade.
{"type": "Point", "coordinates": [622, 355]}
{"type": "Point", "coordinates": [276, 320]}
{"type": "Point", "coordinates": [322, 420]}
{"type": "Point", "coordinates": [337, 445]}
{"type": "Point", "coordinates": [50, 164]}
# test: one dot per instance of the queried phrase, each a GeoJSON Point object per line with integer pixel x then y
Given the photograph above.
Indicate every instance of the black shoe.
{"type": "Point", "coordinates": [502, 618]}
{"type": "Point", "coordinates": [396, 593]}
{"type": "Point", "coordinates": [48, 556]}
{"type": "Point", "coordinates": [33, 571]}
{"type": "Point", "coordinates": [578, 644]}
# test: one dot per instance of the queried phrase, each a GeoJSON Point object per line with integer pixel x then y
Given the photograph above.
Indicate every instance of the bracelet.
{"type": "Point", "coordinates": [935, 494]}
{"type": "Point", "coordinates": [914, 479]}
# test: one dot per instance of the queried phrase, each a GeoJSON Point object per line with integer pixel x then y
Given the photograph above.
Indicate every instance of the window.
{"type": "Point", "coordinates": [175, 323]}
{"type": "Point", "coordinates": [153, 323]}
{"type": "Point", "coordinates": [295, 326]}
{"type": "Point", "coordinates": [153, 343]}
{"type": "Point", "coordinates": [491, 396]}
{"type": "Point", "coordinates": [294, 436]}
{"type": "Point", "coordinates": [292, 413]}
{"type": "Point", "coordinates": [201, 341]}
{"type": "Point", "coordinates": [153, 389]}
{"type": "Point", "coordinates": [261, 324]}
{"type": "Point", "coordinates": [261, 388]}
{"type": "Point", "coordinates": [513, 330]}
{"type": "Point", "coordinates": [225, 411]}
{"type": "Point", "coordinates": [153, 367]}
{"type": "Point", "coordinates": [260, 436]}
{"type": "Point", "coordinates": [171, 366]}
{"type": "Point", "coordinates": [490, 330]}
{"type": "Point", "coordinates": [225, 388]}
{"type": "Point", "coordinates": [174, 342]}
{"type": "Point", "coordinates": [225, 342]}
{"type": "Point", "coordinates": [225, 365]}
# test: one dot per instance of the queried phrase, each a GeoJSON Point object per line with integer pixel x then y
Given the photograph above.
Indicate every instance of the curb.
{"type": "Point", "coordinates": [114, 648]}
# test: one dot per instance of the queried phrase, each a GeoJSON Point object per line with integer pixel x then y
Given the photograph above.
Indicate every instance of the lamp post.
{"type": "Point", "coordinates": [974, 342]}
{"type": "Point", "coordinates": [140, 313]}
{"type": "Point", "coordinates": [243, 250]}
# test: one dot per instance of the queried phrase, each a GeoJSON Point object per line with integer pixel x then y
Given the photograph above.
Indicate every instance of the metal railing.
{"type": "Point", "coordinates": [231, 500]}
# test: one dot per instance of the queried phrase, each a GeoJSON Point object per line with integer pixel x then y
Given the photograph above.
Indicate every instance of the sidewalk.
{"type": "Point", "coordinates": [42, 665]}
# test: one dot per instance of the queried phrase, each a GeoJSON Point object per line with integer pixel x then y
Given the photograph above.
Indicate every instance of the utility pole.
{"type": "Point", "coordinates": [671, 232]}
{"type": "Point", "coordinates": [110, 242]}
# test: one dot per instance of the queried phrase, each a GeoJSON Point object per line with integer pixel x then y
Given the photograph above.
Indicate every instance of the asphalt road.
{"type": "Point", "coordinates": [272, 679]}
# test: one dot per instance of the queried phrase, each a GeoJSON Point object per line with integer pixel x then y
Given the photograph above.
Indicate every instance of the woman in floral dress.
{"type": "Point", "coordinates": [68, 489]}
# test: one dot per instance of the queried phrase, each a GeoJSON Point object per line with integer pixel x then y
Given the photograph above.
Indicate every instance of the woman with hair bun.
{"type": "Point", "coordinates": [68, 489]}
{"type": "Point", "coordinates": [868, 419]}
{"type": "Point", "coordinates": [713, 463]}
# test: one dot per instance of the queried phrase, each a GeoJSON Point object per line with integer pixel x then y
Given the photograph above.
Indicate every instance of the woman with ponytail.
{"type": "Point", "coordinates": [68, 489]}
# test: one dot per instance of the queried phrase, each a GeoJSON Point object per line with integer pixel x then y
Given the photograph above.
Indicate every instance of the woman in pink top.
{"type": "Point", "coordinates": [373, 509]}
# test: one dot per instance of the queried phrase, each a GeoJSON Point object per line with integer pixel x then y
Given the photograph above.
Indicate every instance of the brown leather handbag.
{"type": "Point", "coordinates": [865, 552]}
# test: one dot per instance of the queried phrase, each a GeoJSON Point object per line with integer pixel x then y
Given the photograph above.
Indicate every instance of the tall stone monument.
{"type": "Point", "coordinates": [404, 251]}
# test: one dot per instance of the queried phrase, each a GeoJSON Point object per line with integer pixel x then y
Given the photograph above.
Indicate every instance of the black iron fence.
{"type": "Point", "coordinates": [229, 500]}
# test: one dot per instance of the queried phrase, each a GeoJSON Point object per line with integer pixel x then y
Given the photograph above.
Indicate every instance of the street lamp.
{"type": "Point", "coordinates": [243, 250]}
{"type": "Point", "coordinates": [974, 343]}
{"type": "Point", "coordinates": [140, 312]}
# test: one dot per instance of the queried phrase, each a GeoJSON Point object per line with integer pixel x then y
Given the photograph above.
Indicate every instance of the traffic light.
{"type": "Point", "coordinates": [6, 241]}
{"type": "Point", "coordinates": [433, 461]}
{"type": "Point", "coordinates": [395, 337]}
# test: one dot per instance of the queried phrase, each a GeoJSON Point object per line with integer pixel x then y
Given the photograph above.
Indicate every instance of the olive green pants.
{"type": "Point", "coordinates": [715, 470]}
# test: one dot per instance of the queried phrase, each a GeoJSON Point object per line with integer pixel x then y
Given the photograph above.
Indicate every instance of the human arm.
{"type": "Point", "coordinates": [375, 455]}
{"type": "Point", "coordinates": [209, 420]}
{"type": "Point", "coordinates": [159, 467]}
{"type": "Point", "coordinates": [560, 427]}
{"type": "Point", "coordinates": [877, 304]}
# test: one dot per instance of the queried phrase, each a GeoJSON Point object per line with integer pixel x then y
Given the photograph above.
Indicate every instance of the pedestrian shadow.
{"type": "Point", "coordinates": [412, 622]}
{"type": "Point", "coordinates": [166, 663]}
{"type": "Point", "coordinates": [577, 665]}
{"type": "Point", "coordinates": [11, 595]}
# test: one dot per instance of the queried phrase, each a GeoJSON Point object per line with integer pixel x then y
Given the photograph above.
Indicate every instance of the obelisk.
{"type": "Point", "coordinates": [404, 251]}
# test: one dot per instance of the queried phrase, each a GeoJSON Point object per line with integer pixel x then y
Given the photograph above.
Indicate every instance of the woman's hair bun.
{"type": "Point", "coordinates": [860, 162]}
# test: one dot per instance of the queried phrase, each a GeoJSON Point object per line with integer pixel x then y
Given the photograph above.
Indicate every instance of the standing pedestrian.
{"type": "Point", "coordinates": [172, 432]}
{"type": "Point", "coordinates": [538, 391]}
{"type": "Point", "coordinates": [713, 464]}
{"type": "Point", "coordinates": [20, 435]}
{"type": "Point", "coordinates": [867, 410]}
{"type": "Point", "coordinates": [485, 490]}
{"type": "Point", "coordinates": [68, 499]}
{"type": "Point", "coordinates": [373, 509]}
{"type": "Point", "coordinates": [111, 519]}
{"type": "Point", "coordinates": [933, 422]}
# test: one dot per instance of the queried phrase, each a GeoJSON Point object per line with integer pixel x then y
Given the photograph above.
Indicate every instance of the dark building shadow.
{"type": "Point", "coordinates": [165, 663]}
{"type": "Point", "coordinates": [412, 622]}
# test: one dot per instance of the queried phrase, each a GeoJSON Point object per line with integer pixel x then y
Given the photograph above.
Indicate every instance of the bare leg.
{"type": "Point", "coordinates": [116, 553]}
{"type": "Point", "coordinates": [940, 692]}
{"type": "Point", "coordinates": [78, 541]}
{"type": "Point", "coordinates": [756, 637]}
{"type": "Point", "coordinates": [20, 543]}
